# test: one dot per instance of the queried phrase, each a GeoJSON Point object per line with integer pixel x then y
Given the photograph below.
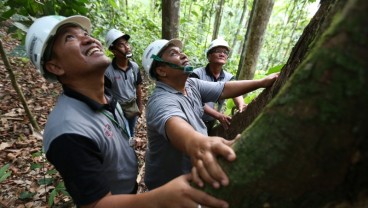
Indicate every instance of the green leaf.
{"type": "Point", "coordinates": [45, 181]}
{"type": "Point", "coordinates": [60, 186]}
{"type": "Point", "coordinates": [4, 176]}
{"type": "Point", "coordinates": [51, 172]}
{"type": "Point", "coordinates": [8, 14]}
{"type": "Point", "coordinates": [26, 195]}
{"type": "Point", "coordinates": [52, 197]}
{"type": "Point", "coordinates": [37, 154]}
{"type": "Point", "coordinates": [274, 69]}
{"type": "Point", "coordinates": [35, 166]}
{"type": "Point", "coordinates": [4, 169]}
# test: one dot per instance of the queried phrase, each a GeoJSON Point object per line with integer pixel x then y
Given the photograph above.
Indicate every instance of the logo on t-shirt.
{"type": "Point", "coordinates": [107, 131]}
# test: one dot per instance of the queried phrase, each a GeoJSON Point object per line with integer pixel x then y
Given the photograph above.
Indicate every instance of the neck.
{"type": "Point", "coordinates": [178, 83]}
{"type": "Point", "coordinates": [122, 63]}
{"type": "Point", "coordinates": [92, 88]}
{"type": "Point", "coordinates": [215, 69]}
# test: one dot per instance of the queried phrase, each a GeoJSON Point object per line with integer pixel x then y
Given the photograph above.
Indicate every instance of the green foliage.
{"type": "Point", "coordinates": [249, 97]}
{"type": "Point", "coordinates": [59, 189]}
{"type": "Point", "coordinates": [45, 181]}
{"type": "Point", "coordinates": [26, 195]}
{"type": "Point", "coordinates": [4, 172]}
{"type": "Point", "coordinates": [35, 166]}
{"type": "Point", "coordinates": [275, 69]}
{"type": "Point", "coordinates": [142, 21]}
{"type": "Point", "coordinates": [50, 178]}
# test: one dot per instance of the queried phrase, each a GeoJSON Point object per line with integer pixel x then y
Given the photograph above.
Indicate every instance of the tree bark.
{"type": "Point", "coordinates": [309, 146]}
{"type": "Point", "coordinates": [217, 23]}
{"type": "Point", "coordinates": [245, 40]}
{"type": "Point", "coordinates": [238, 29]}
{"type": "Point", "coordinates": [258, 25]}
{"type": "Point", "coordinates": [170, 19]}
{"type": "Point", "coordinates": [317, 25]}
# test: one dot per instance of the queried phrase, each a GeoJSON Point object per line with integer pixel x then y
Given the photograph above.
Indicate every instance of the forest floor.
{"type": "Point", "coordinates": [33, 182]}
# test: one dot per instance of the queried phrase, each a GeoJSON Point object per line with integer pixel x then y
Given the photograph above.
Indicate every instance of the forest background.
{"type": "Point", "coordinates": [142, 21]}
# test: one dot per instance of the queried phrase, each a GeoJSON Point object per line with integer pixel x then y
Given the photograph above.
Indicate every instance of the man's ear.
{"type": "Point", "coordinates": [53, 68]}
{"type": "Point", "coordinates": [160, 70]}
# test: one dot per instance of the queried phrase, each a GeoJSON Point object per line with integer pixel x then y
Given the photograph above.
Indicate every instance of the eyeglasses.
{"type": "Point", "coordinates": [226, 52]}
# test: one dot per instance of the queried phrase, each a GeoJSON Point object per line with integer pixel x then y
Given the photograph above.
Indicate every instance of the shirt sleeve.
{"type": "Point", "coordinates": [79, 162]}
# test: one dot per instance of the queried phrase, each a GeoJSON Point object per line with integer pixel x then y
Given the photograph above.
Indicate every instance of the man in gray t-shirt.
{"type": "Point", "coordinates": [177, 136]}
{"type": "Point", "coordinates": [217, 54]}
{"type": "Point", "coordinates": [124, 75]}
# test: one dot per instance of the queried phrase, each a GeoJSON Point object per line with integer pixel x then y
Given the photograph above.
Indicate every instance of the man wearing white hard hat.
{"type": "Point", "coordinates": [125, 77]}
{"type": "Point", "coordinates": [217, 54]}
{"type": "Point", "coordinates": [177, 136]}
{"type": "Point", "coordinates": [86, 136]}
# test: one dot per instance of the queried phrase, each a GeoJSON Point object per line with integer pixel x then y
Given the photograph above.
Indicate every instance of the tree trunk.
{"type": "Point", "coordinates": [217, 23]}
{"type": "Point", "coordinates": [239, 27]}
{"type": "Point", "coordinates": [258, 25]}
{"type": "Point", "coordinates": [245, 40]}
{"type": "Point", "coordinates": [170, 19]}
{"type": "Point", "coordinates": [309, 146]}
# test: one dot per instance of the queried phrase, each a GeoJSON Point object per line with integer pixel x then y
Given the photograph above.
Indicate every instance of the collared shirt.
{"type": "Point", "coordinates": [204, 73]}
{"type": "Point", "coordinates": [124, 83]}
{"type": "Point", "coordinates": [89, 150]}
{"type": "Point", "coordinates": [163, 161]}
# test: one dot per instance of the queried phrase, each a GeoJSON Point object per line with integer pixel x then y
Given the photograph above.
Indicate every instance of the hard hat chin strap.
{"type": "Point", "coordinates": [185, 69]}
{"type": "Point", "coordinates": [127, 55]}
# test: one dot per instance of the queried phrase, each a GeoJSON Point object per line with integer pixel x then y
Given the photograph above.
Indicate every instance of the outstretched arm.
{"type": "Point", "coordinates": [240, 87]}
{"type": "Point", "coordinates": [175, 194]}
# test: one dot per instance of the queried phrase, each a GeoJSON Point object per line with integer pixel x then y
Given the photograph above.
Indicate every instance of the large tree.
{"type": "Point", "coordinates": [217, 23]}
{"type": "Point", "coordinates": [261, 13]}
{"type": "Point", "coordinates": [170, 19]}
{"type": "Point", "coordinates": [309, 146]}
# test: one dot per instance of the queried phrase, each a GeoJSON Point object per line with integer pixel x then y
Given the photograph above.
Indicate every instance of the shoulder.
{"type": "Point", "coordinates": [228, 76]}
{"type": "Point", "coordinates": [134, 65]}
{"type": "Point", "coordinates": [198, 73]}
{"type": "Point", "coordinates": [198, 70]}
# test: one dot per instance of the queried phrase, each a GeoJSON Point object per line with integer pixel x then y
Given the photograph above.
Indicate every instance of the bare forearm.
{"type": "Point", "coordinates": [237, 88]}
{"type": "Point", "coordinates": [210, 111]}
{"type": "Point", "coordinates": [181, 134]}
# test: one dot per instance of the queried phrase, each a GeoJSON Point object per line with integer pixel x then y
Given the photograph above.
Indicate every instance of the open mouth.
{"type": "Point", "coordinates": [92, 51]}
{"type": "Point", "coordinates": [185, 63]}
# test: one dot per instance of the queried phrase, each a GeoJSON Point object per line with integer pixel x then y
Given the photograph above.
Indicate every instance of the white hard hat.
{"type": "Point", "coordinates": [114, 34]}
{"type": "Point", "coordinates": [41, 32]}
{"type": "Point", "coordinates": [154, 49]}
{"type": "Point", "coordinates": [216, 43]}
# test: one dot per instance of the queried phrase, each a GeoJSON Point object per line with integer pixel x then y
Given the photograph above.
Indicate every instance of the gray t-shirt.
{"type": "Point", "coordinates": [204, 73]}
{"type": "Point", "coordinates": [163, 161]}
{"type": "Point", "coordinates": [73, 116]}
{"type": "Point", "coordinates": [124, 83]}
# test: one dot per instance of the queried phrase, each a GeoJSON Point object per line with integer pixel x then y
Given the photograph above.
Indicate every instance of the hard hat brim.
{"type": "Point", "coordinates": [80, 20]}
{"type": "Point", "coordinates": [175, 42]}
